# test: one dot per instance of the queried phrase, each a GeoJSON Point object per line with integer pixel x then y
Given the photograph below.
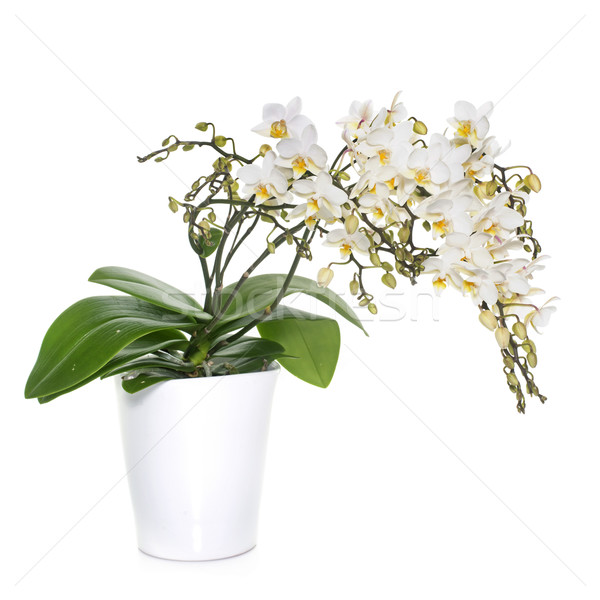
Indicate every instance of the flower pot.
{"type": "Point", "coordinates": [195, 452]}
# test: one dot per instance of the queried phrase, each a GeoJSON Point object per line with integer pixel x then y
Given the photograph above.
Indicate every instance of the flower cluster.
{"type": "Point", "coordinates": [394, 201]}
{"type": "Point", "coordinates": [391, 175]}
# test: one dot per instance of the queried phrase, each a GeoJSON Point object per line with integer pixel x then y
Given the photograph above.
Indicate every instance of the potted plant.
{"type": "Point", "coordinates": [196, 379]}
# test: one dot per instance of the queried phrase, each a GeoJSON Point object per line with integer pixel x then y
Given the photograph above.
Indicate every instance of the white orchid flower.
{"type": "Point", "coordinates": [302, 154]}
{"type": "Point", "coordinates": [481, 284]}
{"type": "Point", "coordinates": [324, 200]}
{"type": "Point", "coordinates": [481, 163]}
{"type": "Point", "coordinates": [448, 213]}
{"type": "Point", "coordinates": [369, 179]}
{"type": "Point", "coordinates": [384, 146]}
{"type": "Point", "coordinates": [471, 123]}
{"type": "Point", "coordinates": [281, 121]}
{"type": "Point", "coordinates": [472, 248]}
{"type": "Point", "coordinates": [498, 219]}
{"type": "Point", "coordinates": [359, 117]}
{"type": "Point", "coordinates": [444, 270]}
{"type": "Point", "coordinates": [265, 181]}
{"type": "Point", "coordinates": [439, 164]}
{"type": "Point", "coordinates": [539, 317]}
{"type": "Point", "coordinates": [379, 205]}
{"type": "Point", "coordinates": [347, 242]}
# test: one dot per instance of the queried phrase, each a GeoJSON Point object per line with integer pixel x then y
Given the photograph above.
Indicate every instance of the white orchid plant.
{"type": "Point", "coordinates": [392, 202]}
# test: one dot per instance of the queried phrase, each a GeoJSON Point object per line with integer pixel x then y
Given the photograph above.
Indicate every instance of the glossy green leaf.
{"type": "Point", "coordinates": [145, 380]}
{"type": "Point", "coordinates": [157, 340]}
{"type": "Point", "coordinates": [150, 289]}
{"type": "Point", "coordinates": [314, 340]}
{"type": "Point", "coordinates": [261, 291]}
{"type": "Point", "coordinates": [208, 247]}
{"type": "Point", "coordinates": [249, 347]}
{"type": "Point", "coordinates": [89, 334]}
{"type": "Point", "coordinates": [246, 355]}
{"type": "Point", "coordinates": [153, 362]}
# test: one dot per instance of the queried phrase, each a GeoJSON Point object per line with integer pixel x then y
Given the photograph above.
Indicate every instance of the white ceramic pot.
{"type": "Point", "coordinates": [195, 453]}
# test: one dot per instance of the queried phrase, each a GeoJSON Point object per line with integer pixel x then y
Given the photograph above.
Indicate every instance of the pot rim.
{"type": "Point", "coordinates": [274, 368]}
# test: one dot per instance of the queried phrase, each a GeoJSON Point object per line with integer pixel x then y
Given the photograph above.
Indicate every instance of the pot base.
{"type": "Point", "coordinates": [197, 559]}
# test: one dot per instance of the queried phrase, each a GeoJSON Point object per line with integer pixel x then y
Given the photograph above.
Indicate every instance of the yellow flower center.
{"type": "Point", "coordinates": [345, 249]}
{"type": "Point", "coordinates": [464, 128]}
{"type": "Point", "coordinates": [421, 175]}
{"type": "Point", "coordinates": [261, 192]}
{"type": "Point", "coordinates": [378, 213]}
{"type": "Point", "coordinates": [439, 283]}
{"type": "Point", "coordinates": [310, 222]}
{"type": "Point", "coordinates": [384, 156]}
{"type": "Point", "coordinates": [313, 204]}
{"type": "Point", "coordinates": [440, 227]}
{"type": "Point", "coordinates": [390, 183]}
{"type": "Point", "coordinates": [468, 287]}
{"type": "Point", "coordinates": [279, 129]}
{"type": "Point", "coordinates": [299, 166]}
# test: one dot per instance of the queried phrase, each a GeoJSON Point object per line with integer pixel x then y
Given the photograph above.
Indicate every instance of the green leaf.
{"type": "Point", "coordinates": [153, 362]}
{"type": "Point", "coordinates": [249, 347]}
{"type": "Point", "coordinates": [246, 355]}
{"type": "Point", "coordinates": [261, 291]}
{"type": "Point", "coordinates": [150, 289]}
{"type": "Point", "coordinates": [145, 380]}
{"type": "Point", "coordinates": [157, 340]}
{"type": "Point", "coordinates": [88, 334]}
{"type": "Point", "coordinates": [314, 340]}
{"type": "Point", "coordinates": [208, 247]}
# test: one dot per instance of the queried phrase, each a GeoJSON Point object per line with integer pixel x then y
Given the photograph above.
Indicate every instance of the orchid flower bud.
{"type": "Point", "coordinates": [324, 277]}
{"type": "Point", "coordinates": [488, 318]}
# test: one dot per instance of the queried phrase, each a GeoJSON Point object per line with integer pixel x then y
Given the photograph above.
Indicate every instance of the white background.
{"type": "Point", "coordinates": [412, 475]}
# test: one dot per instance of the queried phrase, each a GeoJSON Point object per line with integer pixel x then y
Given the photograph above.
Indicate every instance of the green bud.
{"type": "Point", "coordinates": [389, 280]}
{"type": "Point", "coordinates": [426, 225]}
{"type": "Point", "coordinates": [509, 362]}
{"type": "Point", "coordinates": [404, 234]}
{"type": "Point", "coordinates": [491, 188]}
{"type": "Point", "coordinates": [502, 337]}
{"type": "Point", "coordinates": [212, 217]}
{"type": "Point", "coordinates": [159, 158]}
{"type": "Point", "coordinates": [264, 149]}
{"type": "Point", "coordinates": [188, 147]}
{"type": "Point", "coordinates": [527, 247]}
{"type": "Point", "coordinates": [172, 147]}
{"type": "Point", "coordinates": [532, 359]}
{"type": "Point", "coordinates": [364, 302]}
{"type": "Point", "coordinates": [289, 238]}
{"type": "Point", "coordinates": [343, 175]}
{"type": "Point", "coordinates": [372, 309]}
{"type": "Point", "coordinates": [420, 128]}
{"type": "Point", "coordinates": [186, 217]}
{"type": "Point", "coordinates": [532, 181]}
{"type": "Point", "coordinates": [354, 287]}
{"type": "Point", "coordinates": [387, 266]}
{"type": "Point", "coordinates": [520, 330]}
{"type": "Point", "coordinates": [202, 126]}
{"type": "Point", "coordinates": [324, 277]}
{"type": "Point", "coordinates": [173, 205]}
{"type": "Point", "coordinates": [220, 140]}
{"type": "Point", "coordinates": [271, 247]}
{"type": "Point", "coordinates": [512, 379]}
{"type": "Point", "coordinates": [375, 260]}
{"type": "Point", "coordinates": [166, 141]}
{"type": "Point", "coordinates": [488, 318]}
{"type": "Point", "coordinates": [351, 224]}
